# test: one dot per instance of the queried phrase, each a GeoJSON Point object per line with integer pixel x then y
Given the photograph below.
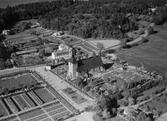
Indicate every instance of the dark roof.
{"type": "Point", "coordinates": [86, 65]}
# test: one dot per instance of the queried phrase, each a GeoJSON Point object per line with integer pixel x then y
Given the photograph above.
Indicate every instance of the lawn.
{"type": "Point", "coordinates": [16, 82]}
{"type": "Point", "coordinates": [153, 54]}
{"type": "Point", "coordinates": [106, 43]}
{"type": "Point", "coordinates": [4, 3]}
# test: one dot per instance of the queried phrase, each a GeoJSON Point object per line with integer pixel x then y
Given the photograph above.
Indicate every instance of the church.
{"type": "Point", "coordinates": [77, 66]}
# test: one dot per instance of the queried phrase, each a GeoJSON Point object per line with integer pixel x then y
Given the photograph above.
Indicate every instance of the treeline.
{"type": "Point", "coordinates": [93, 18]}
{"type": "Point", "coordinates": [5, 53]}
{"type": "Point", "coordinates": [101, 19]}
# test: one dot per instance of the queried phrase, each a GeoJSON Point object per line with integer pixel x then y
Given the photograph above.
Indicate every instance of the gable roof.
{"type": "Point", "coordinates": [86, 65]}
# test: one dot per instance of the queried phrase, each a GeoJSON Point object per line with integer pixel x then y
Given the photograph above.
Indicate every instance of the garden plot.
{"type": "Point", "coordinates": [21, 102]}
{"type": "Point", "coordinates": [16, 82]}
{"type": "Point", "coordinates": [12, 105]}
{"type": "Point", "coordinates": [28, 100]}
{"type": "Point", "coordinates": [3, 111]}
{"type": "Point", "coordinates": [44, 95]}
{"type": "Point", "coordinates": [35, 98]}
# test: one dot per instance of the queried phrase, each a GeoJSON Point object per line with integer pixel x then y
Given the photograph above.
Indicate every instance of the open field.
{"type": "Point", "coordinates": [106, 43]}
{"type": "Point", "coordinates": [153, 55]}
{"type": "Point", "coordinates": [4, 3]}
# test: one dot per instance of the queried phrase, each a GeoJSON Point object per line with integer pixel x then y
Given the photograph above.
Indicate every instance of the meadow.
{"type": "Point", "coordinates": [5, 3]}
{"type": "Point", "coordinates": [152, 55]}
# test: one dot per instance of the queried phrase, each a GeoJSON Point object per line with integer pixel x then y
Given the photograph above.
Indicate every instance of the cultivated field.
{"type": "Point", "coordinates": [153, 55]}
{"type": "Point", "coordinates": [4, 3]}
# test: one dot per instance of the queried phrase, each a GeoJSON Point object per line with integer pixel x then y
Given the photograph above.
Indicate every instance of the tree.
{"type": "Point", "coordinates": [8, 63]}
{"type": "Point", "coordinates": [141, 117]}
{"type": "Point", "coordinates": [108, 103]}
{"type": "Point", "coordinates": [150, 30]}
{"type": "Point", "coordinates": [41, 53]}
{"type": "Point", "coordinates": [2, 37]}
{"type": "Point", "coordinates": [124, 43]}
{"type": "Point", "coordinates": [2, 64]}
{"type": "Point", "coordinates": [100, 46]}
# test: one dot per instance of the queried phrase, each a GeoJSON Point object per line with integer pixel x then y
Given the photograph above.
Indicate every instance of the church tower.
{"type": "Point", "coordinates": [72, 66]}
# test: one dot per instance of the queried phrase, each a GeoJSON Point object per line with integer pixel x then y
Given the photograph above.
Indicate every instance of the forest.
{"type": "Point", "coordinates": [93, 18]}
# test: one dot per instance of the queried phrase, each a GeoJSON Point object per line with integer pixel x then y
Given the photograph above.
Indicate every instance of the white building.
{"type": "Point", "coordinates": [58, 33]}
{"type": "Point", "coordinates": [63, 52]}
{"type": "Point", "coordinates": [5, 32]}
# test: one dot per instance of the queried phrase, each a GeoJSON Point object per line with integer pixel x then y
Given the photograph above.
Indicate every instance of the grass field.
{"type": "Point", "coordinates": [153, 55]}
{"type": "Point", "coordinates": [106, 43]}
{"type": "Point", "coordinates": [4, 3]}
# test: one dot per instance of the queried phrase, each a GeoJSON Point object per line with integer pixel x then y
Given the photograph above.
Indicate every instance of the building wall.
{"type": "Point", "coordinates": [72, 71]}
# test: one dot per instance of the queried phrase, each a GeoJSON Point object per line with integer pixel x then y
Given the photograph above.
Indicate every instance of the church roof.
{"type": "Point", "coordinates": [86, 65]}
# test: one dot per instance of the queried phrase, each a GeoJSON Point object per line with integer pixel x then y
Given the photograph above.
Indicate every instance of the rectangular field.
{"type": "Point", "coordinates": [35, 98]}
{"type": "Point", "coordinates": [12, 105]}
{"type": "Point", "coordinates": [3, 111]}
{"type": "Point", "coordinates": [29, 101]}
{"type": "Point", "coordinates": [16, 82]}
{"type": "Point", "coordinates": [21, 102]}
{"type": "Point", "coordinates": [44, 95]}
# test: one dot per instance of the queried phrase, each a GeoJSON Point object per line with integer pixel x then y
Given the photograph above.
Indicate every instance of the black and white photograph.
{"type": "Point", "coordinates": [83, 60]}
